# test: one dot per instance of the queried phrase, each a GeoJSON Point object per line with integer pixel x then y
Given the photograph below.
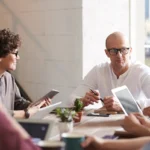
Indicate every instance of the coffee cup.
{"type": "Point", "coordinates": [73, 140]}
{"type": "Point", "coordinates": [52, 145]}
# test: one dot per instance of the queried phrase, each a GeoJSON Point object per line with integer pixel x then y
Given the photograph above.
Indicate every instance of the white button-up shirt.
{"type": "Point", "coordinates": [102, 78]}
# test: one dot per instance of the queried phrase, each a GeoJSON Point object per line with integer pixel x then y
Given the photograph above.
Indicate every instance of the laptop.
{"type": "Point", "coordinates": [38, 129]}
{"type": "Point", "coordinates": [126, 100]}
{"type": "Point", "coordinates": [42, 112]}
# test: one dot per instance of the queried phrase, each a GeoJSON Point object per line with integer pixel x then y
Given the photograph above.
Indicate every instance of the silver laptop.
{"type": "Point", "coordinates": [37, 129]}
{"type": "Point", "coordinates": [126, 100]}
{"type": "Point", "coordinates": [43, 112]}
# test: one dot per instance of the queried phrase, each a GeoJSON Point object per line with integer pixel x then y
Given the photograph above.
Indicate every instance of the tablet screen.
{"type": "Point", "coordinates": [127, 100]}
{"type": "Point", "coordinates": [36, 130]}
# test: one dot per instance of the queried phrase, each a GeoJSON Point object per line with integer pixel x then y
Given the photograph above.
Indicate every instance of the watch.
{"type": "Point", "coordinates": [27, 114]}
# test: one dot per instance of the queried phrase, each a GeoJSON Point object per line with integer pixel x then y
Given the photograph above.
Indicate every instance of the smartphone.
{"type": "Point", "coordinates": [98, 115]}
{"type": "Point", "coordinates": [50, 95]}
{"type": "Point", "coordinates": [110, 137]}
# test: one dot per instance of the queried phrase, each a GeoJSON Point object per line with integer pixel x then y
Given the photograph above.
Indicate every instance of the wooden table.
{"type": "Point", "coordinates": [99, 126]}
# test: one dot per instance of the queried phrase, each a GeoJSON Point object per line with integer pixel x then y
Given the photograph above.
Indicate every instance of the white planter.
{"type": "Point", "coordinates": [65, 127]}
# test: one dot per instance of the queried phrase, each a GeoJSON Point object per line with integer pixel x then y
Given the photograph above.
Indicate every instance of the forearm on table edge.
{"type": "Point", "coordinates": [142, 131]}
{"type": "Point", "coordinates": [19, 114]}
{"type": "Point", "coordinates": [125, 144]}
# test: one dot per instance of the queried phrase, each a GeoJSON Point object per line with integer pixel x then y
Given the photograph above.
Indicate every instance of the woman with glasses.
{"type": "Point", "coordinates": [9, 93]}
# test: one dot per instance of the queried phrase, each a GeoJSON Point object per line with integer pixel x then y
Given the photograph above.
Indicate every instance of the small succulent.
{"type": "Point", "coordinates": [65, 114]}
{"type": "Point", "coordinates": [78, 105]}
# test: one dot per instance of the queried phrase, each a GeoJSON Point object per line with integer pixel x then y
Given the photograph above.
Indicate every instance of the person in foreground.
{"type": "Point", "coordinates": [135, 124]}
{"type": "Point", "coordinates": [9, 92]}
{"type": "Point", "coordinates": [120, 71]}
{"type": "Point", "coordinates": [95, 143]}
{"type": "Point", "coordinates": [13, 136]}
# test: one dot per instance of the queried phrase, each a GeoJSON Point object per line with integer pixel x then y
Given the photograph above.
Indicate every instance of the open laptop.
{"type": "Point", "coordinates": [37, 129]}
{"type": "Point", "coordinates": [126, 100]}
{"type": "Point", "coordinates": [45, 111]}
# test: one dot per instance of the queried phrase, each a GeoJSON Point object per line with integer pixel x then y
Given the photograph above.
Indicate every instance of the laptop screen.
{"type": "Point", "coordinates": [127, 101]}
{"type": "Point", "coordinates": [36, 131]}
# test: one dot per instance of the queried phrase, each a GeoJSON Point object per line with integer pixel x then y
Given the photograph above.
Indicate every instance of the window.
{"type": "Point", "coordinates": [147, 32]}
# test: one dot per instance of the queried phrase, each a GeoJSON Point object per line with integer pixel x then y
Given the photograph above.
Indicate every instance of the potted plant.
{"type": "Point", "coordinates": [78, 104]}
{"type": "Point", "coordinates": [66, 119]}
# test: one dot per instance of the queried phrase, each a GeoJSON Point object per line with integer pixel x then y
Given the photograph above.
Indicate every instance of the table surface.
{"type": "Point", "coordinates": [89, 125]}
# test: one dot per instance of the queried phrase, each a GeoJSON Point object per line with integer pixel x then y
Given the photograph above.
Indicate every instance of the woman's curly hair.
{"type": "Point", "coordinates": [9, 41]}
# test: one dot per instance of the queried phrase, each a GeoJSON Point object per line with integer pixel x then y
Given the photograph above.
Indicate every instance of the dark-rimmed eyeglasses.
{"type": "Point", "coordinates": [114, 51]}
{"type": "Point", "coordinates": [15, 53]}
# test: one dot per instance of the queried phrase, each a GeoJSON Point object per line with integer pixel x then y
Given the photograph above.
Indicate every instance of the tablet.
{"type": "Point", "coordinates": [50, 95]}
{"type": "Point", "coordinates": [37, 129]}
{"type": "Point", "coordinates": [126, 100]}
{"type": "Point", "coordinates": [42, 112]}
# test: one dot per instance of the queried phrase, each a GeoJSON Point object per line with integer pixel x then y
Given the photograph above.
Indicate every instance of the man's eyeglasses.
{"type": "Point", "coordinates": [114, 51]}
{"type": "Point", "coordinates": [15, 53]}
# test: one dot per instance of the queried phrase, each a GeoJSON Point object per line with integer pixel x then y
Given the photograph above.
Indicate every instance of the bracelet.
{"type": "Point", "coordinates": [27, 114]}
{"type": "Point", "coordinates": [12, 114]}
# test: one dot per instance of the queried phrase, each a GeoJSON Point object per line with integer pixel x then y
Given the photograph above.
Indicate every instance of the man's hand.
{"type": "Point", "coordinates": [111, 104]}
{"type": "Point", "coordinates": [133, 125]}
{"type": "Point", "coordinates": [90, 98]}
{"type": "Point", "coordinates": [146, 111]}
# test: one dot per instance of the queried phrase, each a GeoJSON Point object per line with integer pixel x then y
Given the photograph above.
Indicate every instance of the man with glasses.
{"type": "Point", "coordinates": [9, 92]}
{"type": "Point", "coordinates": [120, 71]}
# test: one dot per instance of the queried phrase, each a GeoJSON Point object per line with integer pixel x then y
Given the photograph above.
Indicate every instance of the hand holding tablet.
{"type": "Point", "coordinates": [46, 97]}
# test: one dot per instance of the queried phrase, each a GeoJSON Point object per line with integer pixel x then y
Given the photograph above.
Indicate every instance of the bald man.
{"type": "Point", "coordinates": [118, 72]}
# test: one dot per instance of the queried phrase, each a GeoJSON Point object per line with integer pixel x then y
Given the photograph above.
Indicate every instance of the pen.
{"type": "Point", "coordinates": [93, 92]}
{"type": "Point", "coordinates": [102, 100]}
{"type": "Point", "coordinates": [96, 94]}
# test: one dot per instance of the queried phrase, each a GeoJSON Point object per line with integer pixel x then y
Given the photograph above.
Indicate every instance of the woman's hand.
{"type": "Point", "coordinates": [32, 110]}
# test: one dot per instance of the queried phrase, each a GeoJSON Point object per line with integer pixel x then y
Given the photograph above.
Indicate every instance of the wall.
{"type": "Point", "coordinates": [51, 32]}
{"type": "Point", "coordinates": [62, 39]}
{"type": "Point", "coordinates": [100, 18]}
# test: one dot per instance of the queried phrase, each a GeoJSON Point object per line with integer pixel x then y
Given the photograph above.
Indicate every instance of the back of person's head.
{"type": "Point", "coordinates": [9, 41]}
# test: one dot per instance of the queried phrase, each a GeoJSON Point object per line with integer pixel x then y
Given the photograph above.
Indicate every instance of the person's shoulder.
{"type": "Point", "coordinates": [102, 65]}
{"type": "Point", "coordinates": [140, 66]}
{"type": "Point", "coordinates": [8, 75]}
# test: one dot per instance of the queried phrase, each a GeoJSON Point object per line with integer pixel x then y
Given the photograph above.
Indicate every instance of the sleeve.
{"type": "Point", "coordinates": [89, 81]}
{"type": "Point", "coordinates": [146, 85]}
{"type": "Point", "coordinates": [27, 144]}
{"type": "Point", "coordinates": [20, 102]}
{"type": "Point", "coordinates": [12, 141]}
{"type": "Point", "coordinates": [10, 137]}
{"type": "Point", "coordinates": [145, 80]}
